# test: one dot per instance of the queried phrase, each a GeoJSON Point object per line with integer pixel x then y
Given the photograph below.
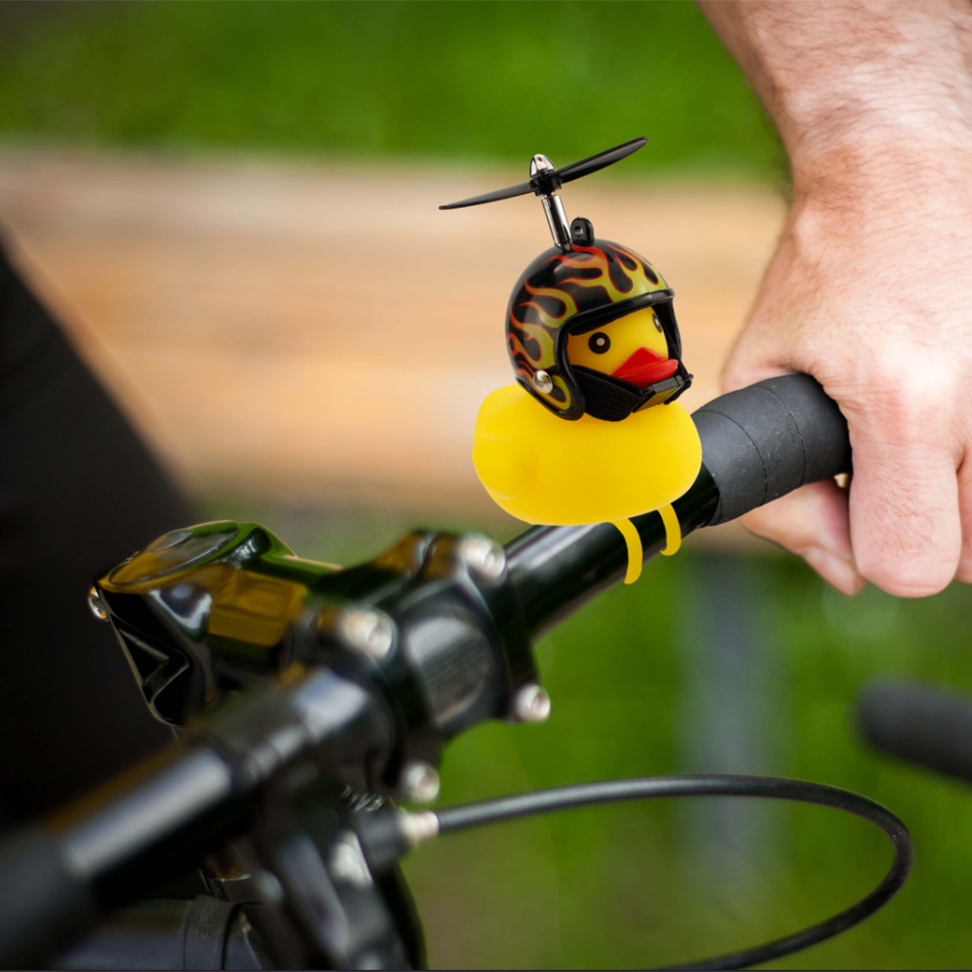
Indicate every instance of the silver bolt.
{"type": "Point", "coordinates": [369, 632]}
{"type": "Point", "coordinates": [347, 862]}
{"type": "Point", "coordinates": [542, 381]}
{"type": "Point", "coordinates": [419, 827]}
{"type": "Point", "coordinates": [532, 704]}
{"type": "Point", "coordinates": [483, 557]}
{"type": "Point", "coordinates": [96, 605]}
{"type": "Point", "coordinates": [419, 782]}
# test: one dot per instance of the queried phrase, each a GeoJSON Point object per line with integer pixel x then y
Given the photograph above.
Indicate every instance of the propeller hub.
{"type": "Point", "coordinates": [540, 163]}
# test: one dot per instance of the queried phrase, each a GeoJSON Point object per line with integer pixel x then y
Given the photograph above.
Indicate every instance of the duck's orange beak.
{"type": "Point", "coordinates": [645, 367]}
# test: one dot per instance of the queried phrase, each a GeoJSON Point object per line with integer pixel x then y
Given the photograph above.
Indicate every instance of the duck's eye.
{"type": "Point", "coordinates": [658, 323]}
{"type": "Point", "coordinates": [599, 342]}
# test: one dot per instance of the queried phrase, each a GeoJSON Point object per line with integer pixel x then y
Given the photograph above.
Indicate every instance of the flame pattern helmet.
{"type": "Point", "coordinates": [564, 292]}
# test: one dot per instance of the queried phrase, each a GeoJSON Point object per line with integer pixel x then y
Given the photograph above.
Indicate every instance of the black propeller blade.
{"type": "Point", "coordinates": [521, 190]}
{"type": "Point", "coordinates": [549, 180]}
{"type": "Point", "coordinates": [600, 161]}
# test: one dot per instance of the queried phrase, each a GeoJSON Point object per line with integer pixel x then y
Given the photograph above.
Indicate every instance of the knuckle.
{"type": "Point", "coordinates": [898, 393]}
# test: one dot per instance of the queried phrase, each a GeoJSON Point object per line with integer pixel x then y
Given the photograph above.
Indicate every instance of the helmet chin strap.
{"type": "Point", "coordinates": [613, 399]}
{"type": "Point", "coordinates": [608, 398]}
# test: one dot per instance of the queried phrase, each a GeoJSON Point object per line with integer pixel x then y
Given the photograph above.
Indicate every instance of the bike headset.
{"type": "Point", "coordinates": [568, 292]}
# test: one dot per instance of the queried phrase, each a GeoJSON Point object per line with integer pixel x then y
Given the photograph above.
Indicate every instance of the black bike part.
{"type": "Point", "coordinates": [767, 440]}
{"type": "Point", "coordinates": [204, 933]}
{"type": "Point", "coordinates": [556, 570]}
{"type": "Point", "coordinates": [757, 444]}
{"type": "Point", "coordinates": [163, 816]}
{"type": "Point", "coordinates": [647, 788]}
{"type": "Point", "coordinates": [920, 724]}
{"type": "Point", "coordinates": [342, 725]}
{"type": "Point", "coordinates": [43, 903]}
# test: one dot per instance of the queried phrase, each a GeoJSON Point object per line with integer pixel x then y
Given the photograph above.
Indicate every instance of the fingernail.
{"type": "Point", "coordinates": [836, 571]}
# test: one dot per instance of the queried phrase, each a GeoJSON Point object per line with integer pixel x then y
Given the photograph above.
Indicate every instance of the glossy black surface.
{"type": "Point", "coordinates": [203, 610]}
{"type": "Point", "coordinates": [208, 610]}
{"type": "Point", "coordinates": [556, 570]}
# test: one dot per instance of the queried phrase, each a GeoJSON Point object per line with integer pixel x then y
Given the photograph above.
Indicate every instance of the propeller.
{"type": "Point", "coordinates": [545, 181]}
{"type": "Point", "coordinates": [521, 190]}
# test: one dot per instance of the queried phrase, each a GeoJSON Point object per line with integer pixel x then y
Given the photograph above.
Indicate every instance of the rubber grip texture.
{"type": "Point", "coordinates": [764, 441]}
{"type": "Point", "coordinates": [920, 724]}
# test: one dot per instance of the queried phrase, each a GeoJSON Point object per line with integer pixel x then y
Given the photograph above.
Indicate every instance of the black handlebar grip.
{"type": "Point", "coordinates": [923, 725]}
{"type": "Point", "coordinates": [766, 440]}
{"type": "Point", "coordinates": [42, 903]}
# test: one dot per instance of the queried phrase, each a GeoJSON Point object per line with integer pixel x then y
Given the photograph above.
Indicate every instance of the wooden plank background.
{"type": "Point", "coordinates": [322, 333]}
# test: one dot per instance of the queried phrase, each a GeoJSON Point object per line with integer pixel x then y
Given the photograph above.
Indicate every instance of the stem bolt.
{"type": "Point", "coordinates": [368, 632]}
{"type": "Point", "coordinates": [532, 704]}
{"type": "Point", "coordinates": [419, 782]}
{"type": "Point", "coordinates": [483, 557]}
{"type": "Point", "coordinates": [96, 605]}
{"type": "Point", "coordinates": [417, 828]}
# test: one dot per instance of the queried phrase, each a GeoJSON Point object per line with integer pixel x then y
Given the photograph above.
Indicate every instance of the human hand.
{"type": "Point", "coordinates": [870, 289]}
{"type": "Point", "coordinates": [873, 297]}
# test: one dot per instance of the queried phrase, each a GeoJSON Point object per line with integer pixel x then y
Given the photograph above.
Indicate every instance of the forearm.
{"type": "Point", "coordinates": [861, 93]}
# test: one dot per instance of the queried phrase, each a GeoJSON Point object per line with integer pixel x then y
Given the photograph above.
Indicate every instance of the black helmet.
{"type": "Point", "coordinates": [586, 286]}
{"type": "Point", "coordinates": [582, 291]}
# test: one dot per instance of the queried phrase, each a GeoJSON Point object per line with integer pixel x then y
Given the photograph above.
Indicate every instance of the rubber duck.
{"type": "Point", "coordinates": [592, 431]}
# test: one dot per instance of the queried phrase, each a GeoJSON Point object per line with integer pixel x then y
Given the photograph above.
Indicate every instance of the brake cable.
{"type": "Point", "coordinates": [409, 829]}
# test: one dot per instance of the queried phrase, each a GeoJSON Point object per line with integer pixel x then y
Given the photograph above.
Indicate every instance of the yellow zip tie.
{"type": "Point", "coordinates": [632, 540]}
{"type": "Point", "coordinates": [673, 530]}
{"type": "Point", "coordinates": [636, 554]}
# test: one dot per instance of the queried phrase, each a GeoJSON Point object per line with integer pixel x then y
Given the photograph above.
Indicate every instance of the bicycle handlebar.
{"type": "Point", "coordinates": [757, 444]}
{"type": "Point", "coordinates": [163, 816]}
{"type": "Point", "coordinates": [923, 725]}
{"type": "Point", "coordinates": [764, 441]}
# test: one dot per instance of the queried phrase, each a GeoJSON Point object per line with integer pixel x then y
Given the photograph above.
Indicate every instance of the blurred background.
{"type": "Point", "coordinates": [232, 208]}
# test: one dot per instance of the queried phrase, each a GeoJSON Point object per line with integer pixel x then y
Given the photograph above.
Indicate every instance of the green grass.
{"type": "Point", "coordinates": [650, 885]}
{"type": "Point", "coordinates": [425, 80]}
{"type": "Point", "coordinates": [639, 686]}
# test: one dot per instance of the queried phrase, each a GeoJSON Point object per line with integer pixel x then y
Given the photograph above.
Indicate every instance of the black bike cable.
{"type": "Point", "coordinates": [647, 788]}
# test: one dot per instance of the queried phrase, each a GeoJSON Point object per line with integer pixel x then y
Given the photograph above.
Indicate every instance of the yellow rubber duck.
{"type": "Point", "coordinates": [591, 432]}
